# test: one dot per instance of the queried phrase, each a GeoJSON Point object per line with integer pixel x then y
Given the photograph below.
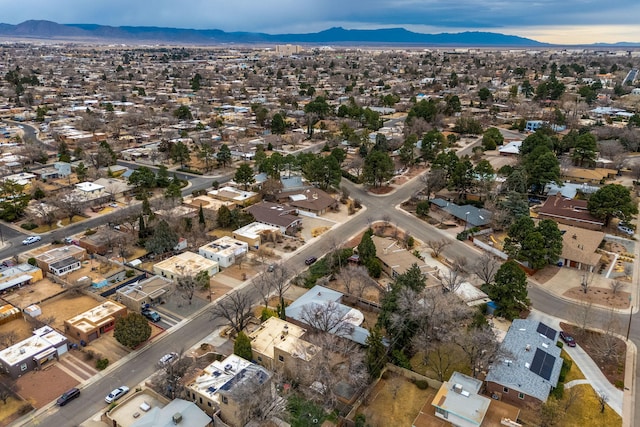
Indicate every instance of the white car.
{"type": "Point", "coordinates": [31, 239]}
{"type": "Point", "coordinates": [116, 394]}
{"type": "Point", "coordinates": [626, 230]}
{"type": "Point", "coordinates": [168, 358]}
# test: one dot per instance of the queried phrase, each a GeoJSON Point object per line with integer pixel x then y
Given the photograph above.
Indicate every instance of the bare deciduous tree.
{"type": "Point", "coordinates": [485, 267]}
{"type": "Point", "coordinates": [235, 308]}
{"type": "Point", "coordinates": [434, 181]}
{"type": "Point", "coordinates": [356, 279]}
{"type": "Point", "coordinates": [451, 279]}
{"type": "Point", "coordinates": [437, 246]}
{"type": "Point", "coordinates": [602, 400]}
{"type": "Point", "coordinates": [616, 286]}
{"type": "Point", "coordinates": [328, 317]}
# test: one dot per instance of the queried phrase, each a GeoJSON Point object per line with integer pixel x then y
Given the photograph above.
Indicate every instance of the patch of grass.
{"type": "Point", "coordinates": [303, 413]}
{"type": "Point", "coordinates": [453, 358]}
{"type": "Point", "coordinates": [585, 412]}
{"type": "Point", "coordinates": [10, 410]}
{"type": "Point", "coordinates": [574, 373]}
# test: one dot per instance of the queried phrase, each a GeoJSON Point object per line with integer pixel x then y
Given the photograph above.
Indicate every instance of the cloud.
{"type": "Point", "coordinates": [278, 16]}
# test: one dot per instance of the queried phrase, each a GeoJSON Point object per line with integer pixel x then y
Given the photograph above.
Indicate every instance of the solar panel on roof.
{"type": "Point", "coordinates": [547, 331]}
{"type": "Point", "coordinates": [542, 364]}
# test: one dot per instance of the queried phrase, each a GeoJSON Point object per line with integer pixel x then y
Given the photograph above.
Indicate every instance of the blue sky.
{"type": "Point", "coordinates": [555, 21]}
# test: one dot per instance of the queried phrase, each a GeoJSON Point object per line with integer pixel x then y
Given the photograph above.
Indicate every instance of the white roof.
{"type": "Point", "coordinates": [89, 186]}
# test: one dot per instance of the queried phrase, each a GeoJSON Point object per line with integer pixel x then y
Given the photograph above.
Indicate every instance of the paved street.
{"type": "Point", "coordinates": [138, 366]}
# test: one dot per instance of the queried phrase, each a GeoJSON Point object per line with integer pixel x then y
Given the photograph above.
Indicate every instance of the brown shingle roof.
{"type": "Point", "coordinates": [572, 209]}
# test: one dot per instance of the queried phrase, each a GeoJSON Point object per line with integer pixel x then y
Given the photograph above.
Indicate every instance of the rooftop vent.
{"type": "Point", "coordinates": [457, 388]}
{"type": "Point", "coordinates": [177, 418]}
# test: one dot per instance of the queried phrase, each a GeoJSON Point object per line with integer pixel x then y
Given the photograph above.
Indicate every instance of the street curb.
{"type": "Point", "coordinates": [629, 392]}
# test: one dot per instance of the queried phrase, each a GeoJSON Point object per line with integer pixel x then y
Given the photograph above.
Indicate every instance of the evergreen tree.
{"type": "Point", "coordinates": [376, 353]}
{"type": "Point", "coordinates": [242, 346]}
{"type": "Point", "coordinates": [244, 175]}
{"type": "Point", "coordinates": [132, 330]}
{"type": "Point", "coordinates": [510, 290]}
{"type": "Point", "coordinates": [201, 219]}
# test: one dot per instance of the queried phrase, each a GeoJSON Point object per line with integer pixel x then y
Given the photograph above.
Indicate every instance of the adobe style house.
{"type": "Point", "coordinates": [253, 234]}
{"type": "Point", "coordinates": [570, 212]}
{"type": "Point", "coordinates": [60, 261]}
{"type": "Point", "coordinates": [149, 291]}
{"type": "Point", "coordinates": [395, 260]}
{"type": "Point", "coordinates": [43, 346]}
{"type": "Point", "coordinates": [91, 324]}
{"type": "Point", "coordinates": [232, 389]}
{"type": "Point", "coordinates": [224, 250]}
{"type": "Point", "coordinates": [279, 345]}
{"type": "Point", "coordinates": [235, 196]}
{"type": "Point", "coordinates": [186, 263]}
{"type": "Point", "coordinates": [530, 367]}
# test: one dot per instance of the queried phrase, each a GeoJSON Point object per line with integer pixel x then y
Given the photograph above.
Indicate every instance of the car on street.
{"type": "Point", "coordinates": [568, 339]}
{"type": "Point", "coordinates": [68, 396]}
{"type": "Point", "coordinates": [151, 315]}
{"type": "Point", "coordinates": [31, 239]}
{"type": "Point", "coordinates": [168, 359]}
{"type": "Point", "coordinates": [116, 394]}
{"type": "Point", "coordinates": [310, 260]}
{"type": "Point", "coordinates": [626, 230]}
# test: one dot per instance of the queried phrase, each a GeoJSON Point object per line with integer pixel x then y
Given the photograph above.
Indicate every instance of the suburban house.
{"type": "Point", "coordinates": [531, 369]}
{"type": "Point", "coordinates": [43, 346]}
{"type": "Point", "coordinates": [185, 264]}
{"type": "Point", "coordinates": [324, 302]}
{"type": "Point", "coordinates": [579, 247]}
{"type": "Point", "coordinates": [593, 176]}
{"type": "Point", "coordinates": [459, 402]}
{"type": "Point", "coordinates": [230, 389]}
{"type": "Point", "coordinates": [91, 324]}
{"type": "Point", "coordinates": [19, 275]}
{"type": "Point", "coordinates": [570, 212]}
{"type": "Point", "coordinates": [224, 250]}
{"type": "Point", "coordinates": [254, 233]}
{"type": "Point", "coordinates": [115, 187]}
{"type": "Point", "coordinates": [209, 204]}
{"type": "Point", "coordinates": [140, 293]}
{"type": "Point", "coordinates": [395, 259]}
{"type": "Point", "coordinates": [278, 344]}
{"type": "Point", "coordinates": [62, 260]}
{"type": "Point", "coordinates": [510, 149]}
{"type": "Point", "coordinates": [58, 170]}
{"type": "Point", "coordinates": [277, 215]}
{"type": "Point", "coordinates": [464, 214]}
{"type": "Point", "coordinates": [311, 200]}
{"type": "Point", "coordinates": [101, 242]}
{"type": "Point", "coordinates": [233, 195]}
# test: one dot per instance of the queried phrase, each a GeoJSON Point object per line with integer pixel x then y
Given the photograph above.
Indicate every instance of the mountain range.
{"type": "Point", "coordinates": [39, 29]}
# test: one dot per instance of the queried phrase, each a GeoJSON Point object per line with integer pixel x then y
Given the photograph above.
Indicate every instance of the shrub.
{"type": "Point", "coordinates": [559, 344]}
{"type": "Point", "coordinates": [422, 208]}
{"type": "Point", "coordinates": [32, 261]}
{"type": "Point", "coordinates": [130, 273]}
{"type": "Point", "coordinates": [360, 420]}
{"type": "Point", "coordinates": [400, 359]}
{"type": "Point", "coordinates": [410, 242]}
{"type": "Point", "coordinates": [558, 392]}
{"type": "Point", "coordinates": [267, 313]}
{"type": "Point", "coordinates": [25, 409]}
{"type": "Point", "coordinates": [421, 384]}
{"type": "Point", "coordinates": [619, 384]}
{"type": "Point", "coordinates": [29, 225]}
{"type": "Point", "coordinates": [89, 232]}
{"type": "Point", "coordinates": [101, 364]}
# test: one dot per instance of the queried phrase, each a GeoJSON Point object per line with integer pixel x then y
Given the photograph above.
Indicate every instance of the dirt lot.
{"type": "Point", "coordinates": [40, 388]}
{"type": "Point", "coordinates": [33, 294]}
{"type": "Point", "coordinates": [66, 306]}
{"type": "Point", "coordinates": [397, 399]}
{"type": "Point", "coordinates": [600, 296]}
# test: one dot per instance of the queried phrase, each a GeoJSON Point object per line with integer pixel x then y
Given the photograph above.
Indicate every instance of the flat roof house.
{"type": "Point", "coordinates": [278, 344]}
{"type": "Point", "coordinates": [395, 259]}
{"type": "Point", "coordinates": [19, 275]}
{"type": "Point", "coordinates": [43, 346]}
{"type": "Point", "coordinates": [149, 291]}
{"type": "Point", "coordinates": [186, 263]}
{"type": "Point", "coordinates": [232, 388]}
{"type": "Point", "coordinates": [252, 233]}
{"type": "Point", "coordinates": [91, 324]}
{"type": "Point", "coordinates": [531, 369]}
{"type": "Point", "coordinates": [224, 250]}
{"type": "Point", "coordinates": [231, 194]}
{"type": "Point", "coordinates": [62, 260]}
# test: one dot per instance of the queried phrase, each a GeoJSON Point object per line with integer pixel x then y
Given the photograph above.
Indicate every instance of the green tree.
{"type": "Point", "coordinates": [183, 113]}
{"type": "Point", "coordinates": [173, 191]}
{"type": "Point", "coordinates": [366, 247]}
{"type": "Point", "coordinates": [485, 94]}
{"type": "Point", "coordinates": [376, 353]}
{"type": "Point", "coordinates": [142, 179]}
{"type": "Point", "coordinates": [378, 168]}
{"type": "Point", "coordinates": [447, 161]}
{"type": "Point", "coordinates": [612, 201]}
{"type": "Point", "coordinates": [542, 167]}
{"type": "Point", "coordinates": [585, 150]}
{"type": "Point", "coordinates": [278, 124]}
{"type": "Point", "coordinates": [244, 175]}
{"type": "Point", "coordinates": [180, 153]}
{"type": "Point", "coordinates": [14, 200]}
{"type": "Point", "coordinates": [223, 216]}
{"type": "Point", "coordinates": [201, 219]}
{"type": "Point", "coordinates": [492, 138]}
{"type": "Point", "coordinates": [509, 290]}
{"type": "Point", "coordinates": [432, 142]}
{"type": "Point", "coordinates": [462, 177]}
{"type": "Point", "coordinates": [207, 154]}
{"type": "Point", "coordinates": [132, 330]}
{"type": "Point", "coordinates": [81, 172]}
{"type": "Point", "coordinates": [162, 240]}
{"type": "Point", "coordinates": [242, 346]}
{"type": "Point", "coordinates": [406, 152]}
{"type": "Point", "coordinates": [64, 155]}
{"type": "Point", "coordinates": [325, 171]}
{"type": "Point", "coordinates": [538, 246]}
{"type": "Point", "coordinates": [224, 155]}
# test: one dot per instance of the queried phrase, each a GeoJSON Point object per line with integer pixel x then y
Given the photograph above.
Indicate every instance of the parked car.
{"type": "Point", "coordinates": [626, 230]}
{"type": "Point", "coordinates": [568, 339]}
{"type": "Point", "coordinates": [310, 260]}
{"type": "Point", "coordinates": [116, 394]}
{"type": "Point", "coordinates": [68, 396]}
{"type": "Point", "coordinates": [31, 239]}
{"type": "Point", "coordinates": [168, 359]}
{"type": "Point", "coordinates": [151, 315]}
